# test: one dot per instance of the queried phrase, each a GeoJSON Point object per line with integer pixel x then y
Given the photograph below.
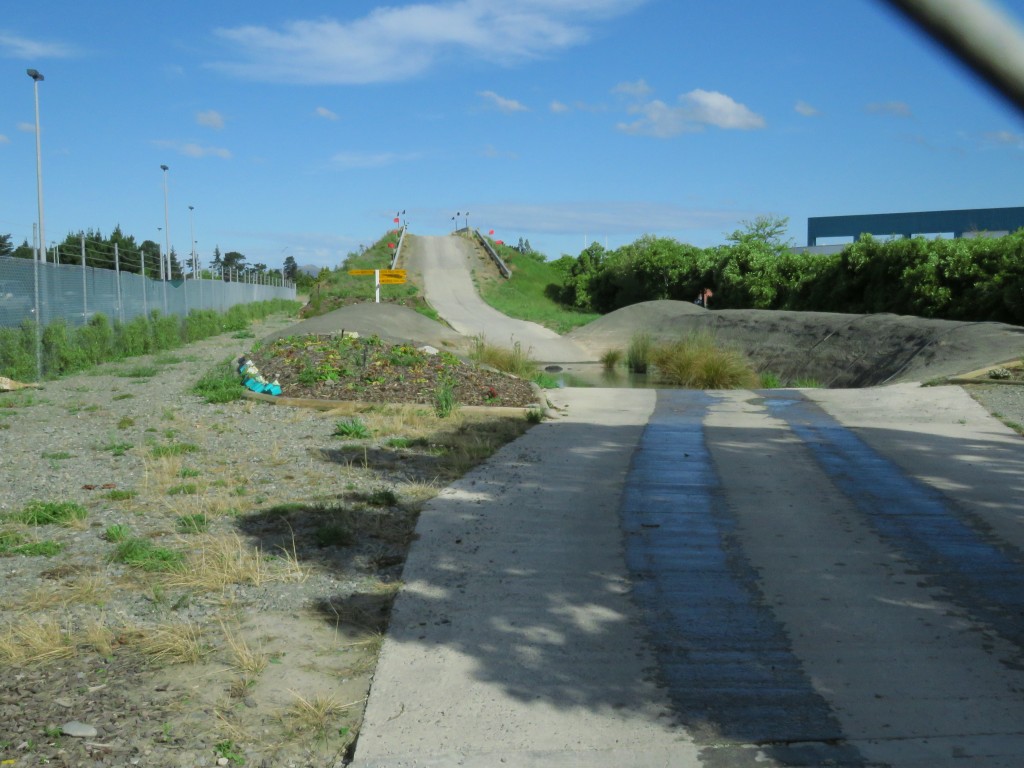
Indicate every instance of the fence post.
{"type": "Point", "coordinates": [85, 290]}
{"type": "Point", "coordinates": [117, 278]}
{"type": "Point", "coordinates": [142, 263]}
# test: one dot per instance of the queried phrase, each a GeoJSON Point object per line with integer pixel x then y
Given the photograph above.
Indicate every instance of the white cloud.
{"type": "Point", "coordinates": [195, 150]}
{"type": "Point", "coordinates": [14, 47]}
{"type": "Point", "coordinates": [400, 42]}
{"type": "Point", "coordinates": [503, 104]}
{"type": "Point", "coordinates": [325, 113]}
{"type": "Point", "coordinates": [4, 139]}
{"type": "Point", "coordinates": [805, 109]}
{"type": "Point", "coordinates": [693, 112]}
{"type": "Point", "coordinates": [891, 108]}
{"type": "Point", "coordinates": [1006, 138]}
{"type": "Point", "coordinates": [492, 152]}
{"type": "Point", "coordinates": [558, 107]}
{"type": "Point", "coordinates": [211, 118]}
{"type": "Point", "coordinates": [27, 127]}
{"type": "Point", "coordinates": [637, 89]}
{"type": "Point", "coordinates": [191, 149]}
{"type": "Point", "coordinates": [369, 159]}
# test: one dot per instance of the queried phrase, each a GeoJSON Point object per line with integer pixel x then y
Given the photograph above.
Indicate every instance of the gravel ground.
{"type": "Point", "coordinates": [294, 541]}
{"type": "Point", "coordinates": [286, 653]}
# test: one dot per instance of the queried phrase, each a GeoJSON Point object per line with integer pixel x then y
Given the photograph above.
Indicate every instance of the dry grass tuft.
{"type": "Point", "coordinates": [316, 713]}
{"type": "Point", "coordinates": [173, 643]}
{"type": "Point", "coordinates": [250, 662]}
{"type": "Point", "coordinates": [35, 640]}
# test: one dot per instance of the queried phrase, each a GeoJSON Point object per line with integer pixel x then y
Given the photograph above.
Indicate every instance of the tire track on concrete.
{"type": "Point", "coordinates": [791, 629]}
{"type": "Point", "coordinates": [724, 657]}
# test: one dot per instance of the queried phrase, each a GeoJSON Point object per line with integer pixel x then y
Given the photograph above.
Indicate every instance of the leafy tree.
{"type": "Point", "coordinates": [6, 248]}
{"type": "Point", "coordinates": [291, 268]}
{"type": "Point", "coordinates": [234, 261]}
{"type": "Point", "coordinates": [24, 251]}
{"type": "Point", "coordinates": [763, 230]}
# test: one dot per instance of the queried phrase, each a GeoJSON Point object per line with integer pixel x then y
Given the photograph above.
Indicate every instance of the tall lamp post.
{"type": "Point", "coordinates": [167, 228]}
{"type": "Point", "coordinates": [37, 77]}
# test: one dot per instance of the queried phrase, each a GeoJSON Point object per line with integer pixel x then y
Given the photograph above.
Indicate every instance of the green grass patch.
{"type": "Point", "coordinates": [527, 294]}
{"type": "Point", "coordinates": [184, 489]}
{"type": "Point", "coordinates": [117, 533]}
{"type": "Point", "coordinates": [59, 455]}
{"type": "Point", "coordinates": [195, 523]}
{"type": "Point", "coordinates": [220, 384]}
{"type": "Point", "coordinates": [173, 449]}
{"type": "Point", "coordinates": [352, 428]}
{"type": "Point", "coordinates": [34, 549]}
{"type": "Point", "coordinates": [144, 554]}
{"type": "Point", "coordinates": [120, 495]}
{"type": "Point", "coordinates": [50, 513]}
{"type": "Point", "coordinates": [118, 447]}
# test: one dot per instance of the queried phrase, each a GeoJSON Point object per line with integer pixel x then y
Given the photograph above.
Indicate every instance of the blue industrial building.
{"type": "Point", "coordinates": [963, 223]}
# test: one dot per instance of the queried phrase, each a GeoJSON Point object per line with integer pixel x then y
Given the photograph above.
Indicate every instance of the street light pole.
{"type": "Point", "coordinates": [36, 78]}
{"type": "Point", "coordinates": [167, 228]}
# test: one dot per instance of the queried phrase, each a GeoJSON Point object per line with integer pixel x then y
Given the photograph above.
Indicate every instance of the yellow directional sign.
{"type": "Point", "coordinates": [392, 280]}
{"type": "Point", "coordinates": [361, 271]}
{"type": "Point", "coordinates": [397, 274]}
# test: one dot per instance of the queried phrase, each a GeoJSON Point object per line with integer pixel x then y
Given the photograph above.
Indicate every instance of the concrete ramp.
{"type": "Point", "coordinates": [445, 263]}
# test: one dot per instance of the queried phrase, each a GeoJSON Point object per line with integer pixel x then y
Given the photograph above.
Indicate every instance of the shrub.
{"type": "Point", "coordinates": [698, 362]}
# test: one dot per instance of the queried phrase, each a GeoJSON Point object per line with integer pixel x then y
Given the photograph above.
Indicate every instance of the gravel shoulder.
{"type": "Point", "coordinates": [293, 541]}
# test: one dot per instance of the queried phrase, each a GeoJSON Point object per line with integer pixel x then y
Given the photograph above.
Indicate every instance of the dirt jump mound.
{"type": "Point", "coordinates": [837, 350]}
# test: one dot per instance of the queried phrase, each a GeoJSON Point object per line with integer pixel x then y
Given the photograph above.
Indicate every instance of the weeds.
{"type": "Point", "coordinates": [698, 362]}
{"type": "Point", "coordinates": [638, 352]}
{"type": "Point", "coordinates": [445, 401]}
{"type": "Point", "coordinates": [221, 384]}
{"type": "Point", "coordinates": [353, 428]}
{"type": "Point", "coordinates": [143, 554]}
{"type": "Point", "coordinates": [611, 359]}
{"type": "Point", "coordinates": [50, 513]}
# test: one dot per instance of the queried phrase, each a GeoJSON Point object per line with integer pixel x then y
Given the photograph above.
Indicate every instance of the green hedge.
{"type": "Point", "coordinates": [66, 350]}
{"type": "Point", "coordinates": [962, 279]}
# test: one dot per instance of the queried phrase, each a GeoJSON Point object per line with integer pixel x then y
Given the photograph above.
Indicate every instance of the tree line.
{"type": "Point", "coordinates": [132, 256]}
{"type": "Point", "coordinates": [979, 278]}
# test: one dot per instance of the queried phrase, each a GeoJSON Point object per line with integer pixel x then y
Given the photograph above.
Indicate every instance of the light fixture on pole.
{"type": "Point", "coordinates": [467, 221]}
{"type": "Point", "coordinates": [167, 228]}
{"type": "Point", "coordinates": [37, 77]}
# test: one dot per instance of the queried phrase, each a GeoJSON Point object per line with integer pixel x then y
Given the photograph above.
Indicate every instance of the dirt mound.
{"type": "Point", "coordinates": [391, 322]}
{"type": "Point", "coordinates": [838, 350]}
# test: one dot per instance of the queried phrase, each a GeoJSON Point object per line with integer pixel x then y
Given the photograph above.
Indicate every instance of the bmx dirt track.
{"type": "Point", "coordinates": [838, 350]}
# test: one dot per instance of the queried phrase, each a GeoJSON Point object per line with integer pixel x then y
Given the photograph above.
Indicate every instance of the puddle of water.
{"type": "Point", "coordinates": [595, 375]}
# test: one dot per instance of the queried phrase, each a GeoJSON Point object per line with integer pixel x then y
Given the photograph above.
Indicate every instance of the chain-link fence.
{"type": "Point", "coordinates": [74, 293]}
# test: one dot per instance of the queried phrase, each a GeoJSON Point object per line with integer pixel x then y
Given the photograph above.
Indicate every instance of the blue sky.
{"type": "Point", "coordinates": [302, 128]}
